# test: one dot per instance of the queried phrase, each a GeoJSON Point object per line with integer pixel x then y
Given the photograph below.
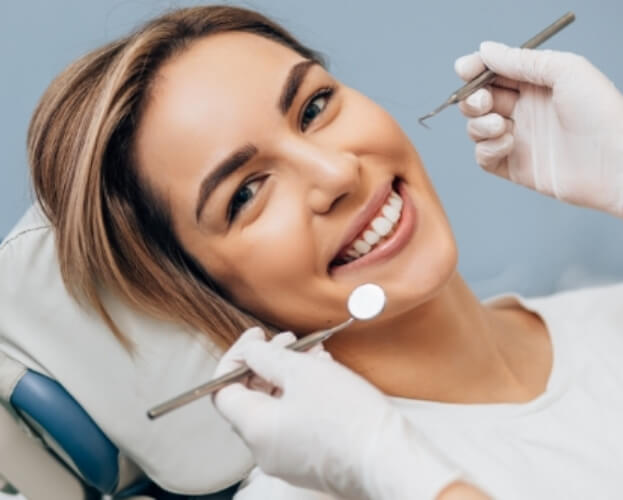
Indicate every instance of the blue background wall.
{"type": "Point", "coordinates": [401, 54]}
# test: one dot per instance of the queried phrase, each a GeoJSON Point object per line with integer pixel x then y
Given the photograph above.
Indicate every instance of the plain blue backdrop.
{"type": "Point", "coordinates": [401, 54]}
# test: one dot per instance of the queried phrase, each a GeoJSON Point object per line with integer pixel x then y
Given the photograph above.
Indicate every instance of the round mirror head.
{"type": "Point", "coordinates": [366, 301]}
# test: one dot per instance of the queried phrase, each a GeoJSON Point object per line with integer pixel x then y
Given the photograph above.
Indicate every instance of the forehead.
{"type": "Point", "coordinates": [222, 77]}
{"type": "Point", "coordinates": [219, 93]}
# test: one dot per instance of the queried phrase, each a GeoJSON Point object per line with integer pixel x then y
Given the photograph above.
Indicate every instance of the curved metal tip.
{"type": "Point", "coordinates": [450, 100]}
{"type": "Point", "coordinates": [425, 117]}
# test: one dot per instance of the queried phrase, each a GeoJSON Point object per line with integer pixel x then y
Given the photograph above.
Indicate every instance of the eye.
{"type": "Point", "coordinates": [315, 106]}
{"type": "Point", "coordinates": [242, 197]}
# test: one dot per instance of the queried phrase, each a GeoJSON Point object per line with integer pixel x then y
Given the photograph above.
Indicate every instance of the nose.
{"type": "Point", "coordinates": [329, 176]}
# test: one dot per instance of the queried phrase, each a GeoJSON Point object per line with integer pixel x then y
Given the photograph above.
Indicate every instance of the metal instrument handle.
{"type": "Point", "coordinates": [487, 75]}
{"type": "Point", "coordinates": [240, 373]}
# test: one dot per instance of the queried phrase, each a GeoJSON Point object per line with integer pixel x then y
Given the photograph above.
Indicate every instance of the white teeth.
{"type": "Point", "coordinates": [395, 202]}
{"type": "Point", "coordinates": [382, 226]}
{"type": "Point", "coordinates": [361, 246]}
{"type": "Point", "coordinates": [391, 213]}
{"type": "Point", "coordinates": [371, 237]}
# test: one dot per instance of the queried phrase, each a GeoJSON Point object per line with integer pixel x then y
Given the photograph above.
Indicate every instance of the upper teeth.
{"type": "Point", "coordinates": [382, 225]}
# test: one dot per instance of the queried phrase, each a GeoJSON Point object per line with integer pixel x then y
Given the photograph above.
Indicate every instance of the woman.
{"type": "Point", "coordinates": [210, 170]}
{"type": "Point", "coordinates": [316, 412]}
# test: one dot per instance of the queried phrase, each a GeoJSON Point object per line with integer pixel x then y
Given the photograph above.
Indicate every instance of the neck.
{"type": "Point", "coordinates": [451, 348]}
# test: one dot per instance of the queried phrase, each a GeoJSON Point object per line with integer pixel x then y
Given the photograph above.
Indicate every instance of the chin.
{"type": "Point", "coordinates": [423, 280]}
{"type": "Point", "coordinates": [433, 253]}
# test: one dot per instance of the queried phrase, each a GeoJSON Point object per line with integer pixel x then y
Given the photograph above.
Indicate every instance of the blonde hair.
{"type": "Point", "coordinates": [112, 230]}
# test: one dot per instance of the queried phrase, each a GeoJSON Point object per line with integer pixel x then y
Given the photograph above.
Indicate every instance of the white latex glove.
{"type": "Point", "coordinates": [554, 123]}
{"type": "Point", "coordinates": [326, 428]}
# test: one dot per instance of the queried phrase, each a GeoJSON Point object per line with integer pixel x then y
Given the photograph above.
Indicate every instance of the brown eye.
{"type": "Point", "coordinates": [243, 196]}
{"type": "Point", "coordinates": [314, 107]}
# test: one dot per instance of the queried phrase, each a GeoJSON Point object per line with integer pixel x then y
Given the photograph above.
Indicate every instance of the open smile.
{"type": "Point", "coordinates": [381, 234]}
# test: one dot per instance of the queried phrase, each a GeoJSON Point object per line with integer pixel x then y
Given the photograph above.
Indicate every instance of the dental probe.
{"type": "Point", "coordinates": [487, 75]}
{"type": "Point", "coordinates": [365, 302]}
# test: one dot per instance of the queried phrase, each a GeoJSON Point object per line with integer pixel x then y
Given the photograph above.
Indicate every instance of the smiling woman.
{"type": "Point", "coordinates": [113, 228]}
{"type": "Point", "coordinates": [210, 170]}
{"type": "Point", "coordinates": [290, 160]}
{"type": "Point", "coordinates": [184, 175]}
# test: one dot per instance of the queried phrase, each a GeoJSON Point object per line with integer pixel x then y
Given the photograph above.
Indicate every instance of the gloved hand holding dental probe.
{"type": "Point", "coordinates": [314, 423]}
{"type": "Point", "coordinates": [552, 122]}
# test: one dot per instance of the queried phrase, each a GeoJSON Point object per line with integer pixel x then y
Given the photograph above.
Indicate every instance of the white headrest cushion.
{"type": "Point", "coordinates": [192, 450]}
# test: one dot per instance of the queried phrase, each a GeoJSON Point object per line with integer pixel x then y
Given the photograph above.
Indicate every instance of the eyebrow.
{"type": "Point", "coordinates": [241, 156]}
{"type": "Point", "coordinates": [224, 169]}
{"type": "Point", "coordinates": [292, 84]}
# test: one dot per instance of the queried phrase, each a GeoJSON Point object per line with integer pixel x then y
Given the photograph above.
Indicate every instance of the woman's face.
{"type": "Point", "coordinates": [277, 175]}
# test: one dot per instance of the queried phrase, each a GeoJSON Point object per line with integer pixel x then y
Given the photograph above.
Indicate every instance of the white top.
{"type": "Point", "coordinates": [567, 443]}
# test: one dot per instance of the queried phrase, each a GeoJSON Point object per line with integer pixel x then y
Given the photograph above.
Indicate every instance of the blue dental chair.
{"type": "Point", "coordinates": [73, 401]}
{"type": "Point", "coordinates": [69, 455]}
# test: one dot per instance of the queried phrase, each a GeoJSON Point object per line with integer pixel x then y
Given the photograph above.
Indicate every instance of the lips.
{"type": "Point", "coordinates": [381, 229]}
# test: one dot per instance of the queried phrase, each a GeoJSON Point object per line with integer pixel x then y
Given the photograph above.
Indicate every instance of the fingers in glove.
{"type": "Point", "coordinates": [489, 126]}
{"type": "Point", "coordinates": [231, 360]}
{"type": "Point", "coordinates": [271, 362]}
{"type": "Point", "coordinates": [505, 83]}
{"type": "Point", "coordinates": [504, 101]}
{"type": "Point", "coordinates": [255, 381]}
{"type": "Point", "coordinates": [491, 154]}
{"type": "Point", "coordinates": [325, 355]}
{"type": "Point", "coordinates": [469, 66]}
{"type": "Point", "coordinates": [319, 351]}
{"type": "Point", "coordinates": [539, 67]}
{"type": "Point", "coordinates": [244, 408]}
{"type": "Point", "coordinates": [283, 339]}
{"type": "Point", "coordinates": [489, 99]}
{"type": "Point", "coordinates": [477, 104]}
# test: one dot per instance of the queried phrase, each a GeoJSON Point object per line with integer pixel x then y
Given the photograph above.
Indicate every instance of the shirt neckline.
{"type": "Point", "coordinates": [557, 382]}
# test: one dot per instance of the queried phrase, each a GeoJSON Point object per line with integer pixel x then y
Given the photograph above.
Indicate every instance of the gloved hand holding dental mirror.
{"type": "Point", "coordinates": [365, 302]}
{"type": "Point", "coordinates": [293, 452]}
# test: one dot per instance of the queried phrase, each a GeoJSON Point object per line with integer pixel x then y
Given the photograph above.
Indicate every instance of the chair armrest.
{"type": "Point", "coordinates": [22, 457]}
{"type": "Point", "coordinates": [48, 404]}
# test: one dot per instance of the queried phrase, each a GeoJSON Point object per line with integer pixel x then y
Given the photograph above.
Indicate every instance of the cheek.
{"type": "Point", "coordinates": [376, 135]}
{"type": "Point", "coordinates": [429, 263]}
{"type": "Point", "coordinates": [374, 130]}
{"type": "Point", "coordinates": [265, 264]}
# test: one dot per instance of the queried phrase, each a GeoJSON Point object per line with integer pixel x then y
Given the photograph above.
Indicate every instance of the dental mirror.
{"type": "Point", "coordinates": [364, 303]}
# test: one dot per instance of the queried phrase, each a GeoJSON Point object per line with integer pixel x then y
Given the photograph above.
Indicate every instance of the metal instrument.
{"type": "Point", "coordinates": [487, 75]}
{"type": "Point", "coordinates": [365, 302]}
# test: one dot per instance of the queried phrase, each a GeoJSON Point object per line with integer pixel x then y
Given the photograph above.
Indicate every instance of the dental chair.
{"type": "Point", "coordinates": [58, 452]}
{"type": "Point", "coordinates": [73, 402]}
{"type": "Point", "coordinates": [52, 449]}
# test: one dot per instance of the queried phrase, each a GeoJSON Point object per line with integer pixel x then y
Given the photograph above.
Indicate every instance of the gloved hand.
{"type": "Point", "coordinates": [553, 123]}
{"type": "Point", "coordinates": [318, 425]}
